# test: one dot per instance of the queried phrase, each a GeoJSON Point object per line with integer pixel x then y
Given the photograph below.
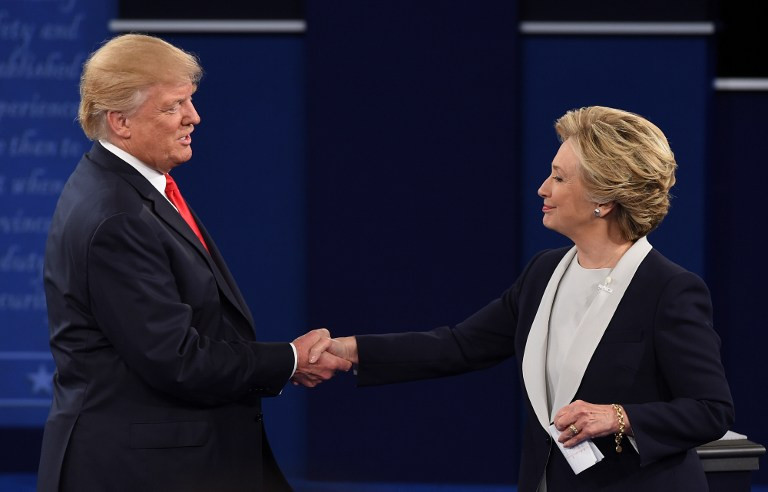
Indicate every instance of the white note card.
{"type": "Point", "coordinates": [581, 456]}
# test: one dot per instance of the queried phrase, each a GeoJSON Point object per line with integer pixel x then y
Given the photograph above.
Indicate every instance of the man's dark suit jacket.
{"type": "Point", "coordinates": [659, 357]}
{"type": "Point", "coordinates": [159, 376]}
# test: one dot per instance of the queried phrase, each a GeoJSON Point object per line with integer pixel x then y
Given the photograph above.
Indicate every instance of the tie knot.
{"type": "Point", "coordinates": [174, 196]}
{"type": "Point", "coordinates": [170, 184]}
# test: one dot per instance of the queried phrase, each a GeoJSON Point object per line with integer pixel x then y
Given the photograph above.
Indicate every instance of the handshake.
{"type": "Point", "coordinates": [319, 357]}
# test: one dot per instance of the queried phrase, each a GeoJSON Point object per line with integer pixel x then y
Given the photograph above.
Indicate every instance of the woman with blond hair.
{"type": "Point", "coordinates": [614, 342]}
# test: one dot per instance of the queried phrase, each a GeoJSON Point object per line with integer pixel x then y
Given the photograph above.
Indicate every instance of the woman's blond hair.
{"type": "Point", "coordinates": [117, 75]}
{"type": "Point", "coordinates": [624, 159]}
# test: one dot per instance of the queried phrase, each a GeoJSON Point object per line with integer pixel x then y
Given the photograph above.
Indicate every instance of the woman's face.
{"type": "Point", "coordinates": [566, 207]}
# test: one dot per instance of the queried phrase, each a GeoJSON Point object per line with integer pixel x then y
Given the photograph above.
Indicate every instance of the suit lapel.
{"type": "Point", "coordinates": [535, 356]}
{"type": "Point", "coordinates": [590, 332]}
{"type": "Point", "coordinates": [174, 220]}
{"type": "Point", "coordinates": [165, 211]}
{"type": "Point", "coordinates": [220, 270]}
{"type": "Point", "coordinates": [594, 323]}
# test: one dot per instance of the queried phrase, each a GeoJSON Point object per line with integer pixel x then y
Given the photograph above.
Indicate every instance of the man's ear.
{"type": "Point", "coordinates": [118, 124]}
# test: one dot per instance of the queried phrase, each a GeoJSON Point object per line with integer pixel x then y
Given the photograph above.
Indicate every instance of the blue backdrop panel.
{"type": "Point", "coordinates": [412, 208]}
{"type": "Point", "coordinates": [42, 48]}
{"type": "Point", "coordinates": [246, 181]}
{"type": "Point", "coordinates": [736, 261]}
{"type": "Point", "coordinates": [665, 79]}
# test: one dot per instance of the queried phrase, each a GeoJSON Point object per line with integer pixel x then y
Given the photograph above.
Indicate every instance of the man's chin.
{"type": "Point", "coordinates": [182, 157]}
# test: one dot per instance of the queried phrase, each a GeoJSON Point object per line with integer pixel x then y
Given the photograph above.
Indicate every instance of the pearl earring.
{"type": "Point", "coordinates": [597, 212]}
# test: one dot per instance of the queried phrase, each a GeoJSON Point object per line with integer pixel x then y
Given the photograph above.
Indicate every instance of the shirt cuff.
{"type": "Point", "coordinates": [295, 359]}
{"type": "Point", "coordinates": [633, 443]}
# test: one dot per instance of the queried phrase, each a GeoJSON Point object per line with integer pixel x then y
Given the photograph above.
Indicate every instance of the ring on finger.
{"type": "Point", "coordinates": [573, 429]}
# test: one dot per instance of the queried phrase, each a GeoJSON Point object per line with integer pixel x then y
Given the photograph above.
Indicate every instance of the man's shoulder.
{"type": "Point", "coordinates": [93, 193]}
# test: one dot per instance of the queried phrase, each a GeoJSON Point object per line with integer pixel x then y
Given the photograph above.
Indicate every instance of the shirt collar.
{"type": "Point", "coordinates": [155, 177]}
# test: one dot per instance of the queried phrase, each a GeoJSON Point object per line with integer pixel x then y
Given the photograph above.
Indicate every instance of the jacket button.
{"type": "Point", "coordinates": [259, 417]}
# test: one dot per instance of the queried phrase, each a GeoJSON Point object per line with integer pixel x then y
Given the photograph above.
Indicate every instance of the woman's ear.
{"type": "Point", "coordinates": [606, 208]}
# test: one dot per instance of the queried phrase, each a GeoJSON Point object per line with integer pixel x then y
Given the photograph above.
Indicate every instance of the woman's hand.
{"type": "Point", "coordinates": [343, 347]}
{"type": "Point", "coordinates": [580, 421]}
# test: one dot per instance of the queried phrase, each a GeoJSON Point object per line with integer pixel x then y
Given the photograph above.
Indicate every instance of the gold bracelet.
{"type": "Point", "coordinates": [619, 435]}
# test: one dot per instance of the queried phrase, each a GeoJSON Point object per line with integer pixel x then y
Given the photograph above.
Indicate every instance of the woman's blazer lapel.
{"type": "Point", "coordinates": [590, 331]}
{"type": "Point", "coordinates": [535, 356]}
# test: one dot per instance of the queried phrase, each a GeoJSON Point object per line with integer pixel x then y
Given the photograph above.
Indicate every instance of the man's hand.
{"type": "Point", "coordinates": [315, 366]}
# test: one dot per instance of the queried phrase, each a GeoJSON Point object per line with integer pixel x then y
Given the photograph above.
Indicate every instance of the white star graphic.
{"type": "Point", "coordinates": [42, 380]}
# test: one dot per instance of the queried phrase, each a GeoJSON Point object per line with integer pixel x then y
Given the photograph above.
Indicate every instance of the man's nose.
{"type": "Point", "coordinates": [191, 116]}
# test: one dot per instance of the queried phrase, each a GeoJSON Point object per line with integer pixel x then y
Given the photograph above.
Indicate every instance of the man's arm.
{"type": "Point", "coordinates": [137, 305]}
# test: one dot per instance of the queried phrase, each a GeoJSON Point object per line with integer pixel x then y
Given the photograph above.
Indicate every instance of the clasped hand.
{"type": "Point", "coordinates": [580, 421]}
{"type": "Point", "coordinates": [320, 356]}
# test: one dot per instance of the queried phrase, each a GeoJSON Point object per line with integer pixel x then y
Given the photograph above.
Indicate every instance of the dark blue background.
{"type": "Point", "coordinates": [379, 172]}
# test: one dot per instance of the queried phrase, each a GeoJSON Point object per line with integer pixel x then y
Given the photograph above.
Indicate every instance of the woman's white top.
{"type": "Point", "coordinates": [595, 315]}
{"type": "Point", "coordinates": [577, 290]}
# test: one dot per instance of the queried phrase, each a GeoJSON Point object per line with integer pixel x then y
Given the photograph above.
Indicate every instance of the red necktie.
{"type": "Point", "coordinates": [174, 195]}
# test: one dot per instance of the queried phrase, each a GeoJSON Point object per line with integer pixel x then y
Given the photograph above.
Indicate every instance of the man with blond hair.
{"type": "Point", "coordinates": [159, 376]}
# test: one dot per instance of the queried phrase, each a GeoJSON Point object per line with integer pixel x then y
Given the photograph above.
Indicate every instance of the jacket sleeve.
{"type": "Point", "coordinates": [687, 352]}
{"type": "Point", "coordinates": [482, 340]}
{"type": "Point", "coordinates": [137, 305]}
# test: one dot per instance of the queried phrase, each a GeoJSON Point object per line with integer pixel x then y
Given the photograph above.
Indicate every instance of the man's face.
{"type": "Point", "coordinates": [159, 131]}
